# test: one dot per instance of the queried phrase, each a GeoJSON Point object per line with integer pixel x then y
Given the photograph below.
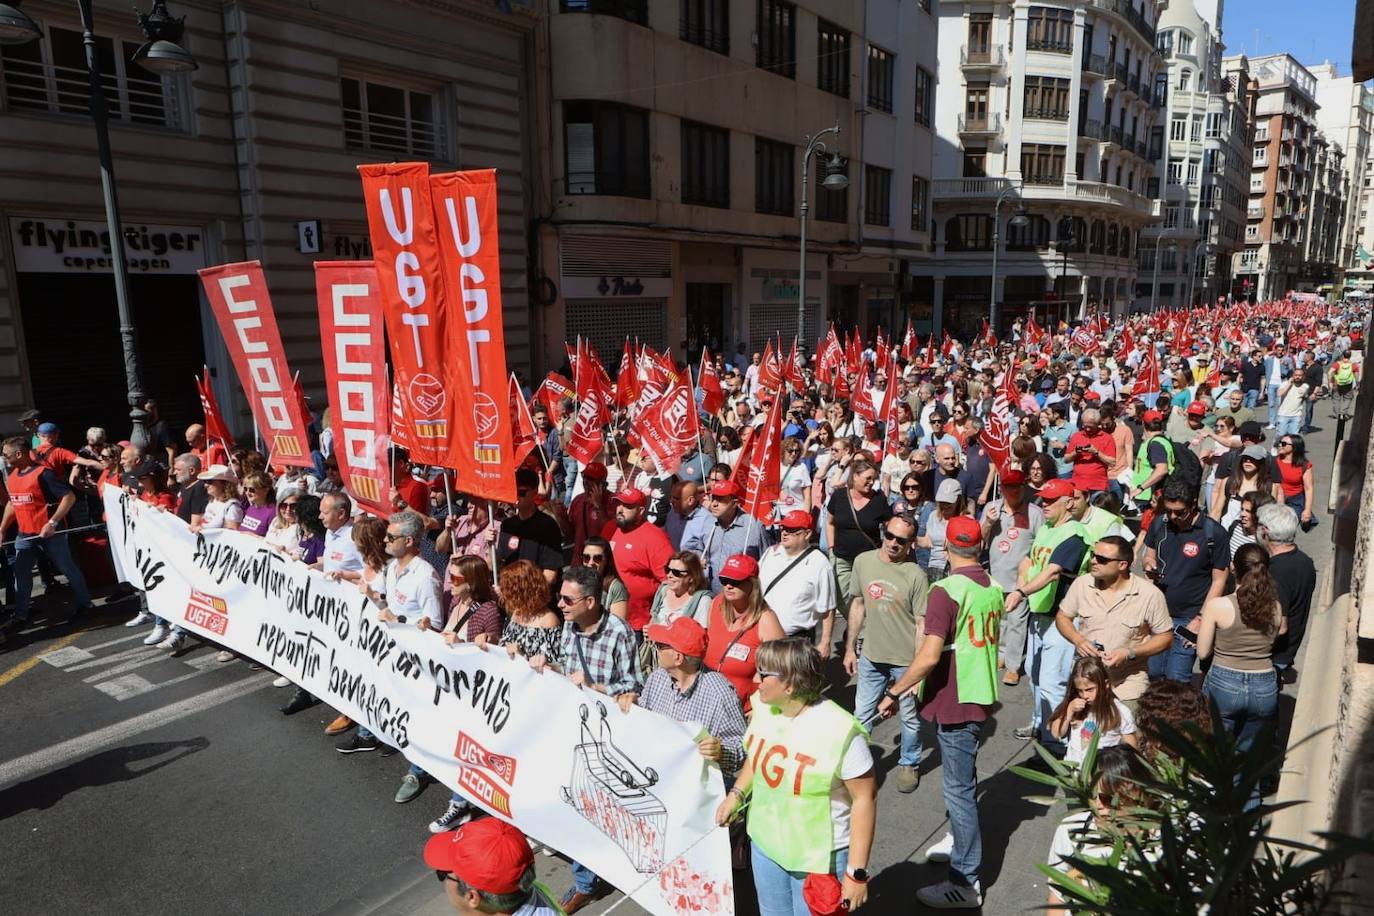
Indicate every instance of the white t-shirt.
{"type": "Point", "coordinates": [1292, 403]}
{"type": "Point", "coordinates": [804, 595]}
{"type": "Point", "coordinates": [414, 591]}
{"type": "Point", "coordinates": [1069, 841]}
{"type": "Point", "coordinates": [340, 553]}
{"type": "Point", "coordinates": [794, 483]}
{"type": "Point", "coordinates": [220, 512]}
{"type": "Point", "coordinates": [1080, 735]}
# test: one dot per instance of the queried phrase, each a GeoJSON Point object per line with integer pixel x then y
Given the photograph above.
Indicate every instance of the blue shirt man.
{"type": "Point", "coordinates": [723, 531]}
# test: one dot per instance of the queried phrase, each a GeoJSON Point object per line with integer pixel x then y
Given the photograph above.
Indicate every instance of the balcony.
{"type": "Point", "coordinates": [984, 58]}
{"type": "Point", "coordinates": [1113, 136]}
{"type": "Point", "coordinates": [1140, 149]}
{"type": "Point", "coordinates": [974, 188]}
{"type": "Point", "coordinates": [1050, 45]}
{"type": "Point", "coordinates": [1254, 213]}
{"type": "Point", "coordinates": [1046, 114]}
{"type": "Point", "coordinates": [1095, 64]}
{"type": "Point", "coordinates": [1091, 130]}
{"type": "Point", "coordinates": [1047, 190]}
{"type": "Point", "coordinates": [980, 124]}
{"type": "Point", "coordinates": [1129, 143]}
{"type": "Point", "coordinates": [1127, 11]}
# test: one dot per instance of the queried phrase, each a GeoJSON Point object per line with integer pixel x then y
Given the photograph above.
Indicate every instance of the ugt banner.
{"type": "Point", "coordinates": [238, 297]}
{"type": "Point", "coordinates": [354, 347]}
{"type": "Point", "coordinates": [465, 211]}
{"type": "Point", "coordinates": [627, 793]}
{"type": "Point", "coordinates": [400, 222]}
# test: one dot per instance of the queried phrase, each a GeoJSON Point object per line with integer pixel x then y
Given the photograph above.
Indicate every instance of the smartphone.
{"type": "Point", "coordinates": [1185, 634]}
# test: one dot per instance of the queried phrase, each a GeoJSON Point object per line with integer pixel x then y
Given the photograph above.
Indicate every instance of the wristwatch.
{"type": "Point", "coordinates": [859, 875]}
{"type": "Point", "coordinates": [892, 696]}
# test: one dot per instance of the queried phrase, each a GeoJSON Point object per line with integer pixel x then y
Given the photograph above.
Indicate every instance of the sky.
{"type": "Point", "coordinates": [1310, 30]}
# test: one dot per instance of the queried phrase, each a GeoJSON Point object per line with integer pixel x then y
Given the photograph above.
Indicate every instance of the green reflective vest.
{"type": "Point", "coordinates": [1042, 548]}
{"type": "Point", "coordinates": [1143, 468]}
{"type": "Point", "coordinates": [793, 766]}
{"type": "Point", "coordinates": [975, 637]}
{"type": "Point", "coordinates": [1098, 522]}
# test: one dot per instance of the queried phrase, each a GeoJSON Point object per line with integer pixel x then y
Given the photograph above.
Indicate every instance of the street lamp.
{"type": "Point", "coordinates": [161, 54]}
{"type": "Point", "coordinates": [835, 180]}
{"type": "Point", "coordinates": [1201, 246]}
{"type": "Point", "coordinates": [1068, 240]}
{"type": "Point", "coordinates": [1018, 219]}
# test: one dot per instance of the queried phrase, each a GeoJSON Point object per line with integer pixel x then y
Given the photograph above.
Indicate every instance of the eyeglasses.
{"type": "Point", "coordinates": [564, 599]}
{"type": "Point", "coordinates": [1099, 558]}
{"type": "Point", "coordinates": [735, 583]}
{"type": "Point", "coordinates": [290, 505]}
{"type": "Point", "coordinates": [764, 674]}
{"type": "Point", "coordinates": [1178, 513]}
{"type": "Point", "coordinates": [444, 876]}
{"type": "Point", "coordinates": [593, 558]}
{"type": "Point", "coordinates": [1287, 442]}
{"type": "Point", "coordinates": [889, 536]}
{"type": "Point", "coordinates": [806, 531]}
{"type": "Point", "coordinates": [395, 537]}
{"type": "Point", "coordinates": [675, 572]}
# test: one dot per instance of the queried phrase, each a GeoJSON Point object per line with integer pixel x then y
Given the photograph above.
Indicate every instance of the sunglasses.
{"type": "Point", "coordinates": [1099, 558]}
{"type": "Point", "coordinates": [675, 572]}
{"type": "Point", "coordinates": [889, 536]}
{"type": "Point", "coordinates": [764, 674]}
{"type": "Point", "coordinates": [564, 599]}
{"type": "Point", "coordinates": [291, 505]}
{"type": "Point", "coordinates": [593, 558]}
{"type": "Point", "coordinates": [444, 876]}
{"type": "Point", "coordinates": [395, 537]}
{"type": "Point", "coordinates": [660, 646]}
{"type": "Point", "coordinates": [736, 583]}
{"type": "Point", "coordinates": [806, 531]}
{"type": "Point", "coordinates": [910, 486]}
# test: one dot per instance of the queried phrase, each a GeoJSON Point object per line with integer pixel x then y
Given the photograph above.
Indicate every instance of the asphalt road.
{"type": "Point", "coordinates": [131, 781]}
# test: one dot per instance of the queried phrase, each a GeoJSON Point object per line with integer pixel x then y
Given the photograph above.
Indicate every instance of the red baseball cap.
{"type": "Point", "coordinates": [1055, 489]}
{"type": "Point", "coordinates": [1152, 416]}
{"type": "Point", "coordinates": [594, 471]}
{"type": "Point", "coordinates": [962, 531]}
{"type": "Point", "coordinates": [630, 497]}
{"type": "Point", "coordinates": [740, 566]}
{"type": "Point", "coordinates": [1013, 477]}
{"type": "Point", "coordinates": [1197, 409]}
{"type": "Point", "coordinates": [1092, 396]}
{"type": "Point", "coordinates": [487, 854]}
{"type": "Point", "coordinates": [798, 519]}
{"type": "Point", "coordinates": [683, 634]}
{"type": "Point", "coordinates": [726, 488]}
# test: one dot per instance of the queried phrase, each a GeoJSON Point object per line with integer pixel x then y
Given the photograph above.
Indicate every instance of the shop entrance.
{"type": "Point", "coordinates": [76, 358]}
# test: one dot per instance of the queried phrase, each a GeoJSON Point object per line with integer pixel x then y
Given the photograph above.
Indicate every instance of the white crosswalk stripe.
{"type": "Point", "coordinates": [113, 674]}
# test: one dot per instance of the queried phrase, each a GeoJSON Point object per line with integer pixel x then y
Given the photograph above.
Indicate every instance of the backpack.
{"type": "Point", "coordinates": [1187, 467]}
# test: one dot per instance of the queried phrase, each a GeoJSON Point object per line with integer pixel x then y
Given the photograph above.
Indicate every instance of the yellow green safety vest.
{"type": "Point", "coordinates": [1143, 468]}
{"type": "Point", "coordinates": [1345, 372]}
{"type": "Point", "coordinates": [1042, 548]}
{"type": "Point", "coordinates": [794, 766]}
{"type": "Point", "coordinates": [1098, 523]}
{"type": "Point", "coordinates": [975, 637]}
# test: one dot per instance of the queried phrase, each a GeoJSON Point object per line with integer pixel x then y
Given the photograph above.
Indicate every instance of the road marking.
{"type": "Point", "coordinates": [161, 656]}
{"type": "Point", "coordinates": [130, 685]}
{"type": "Point", "coordinates": [68, 655]}
{"type": "Point", "coordinates": [58, 755]}
{"type": "Point", "coordinates": [126, 655]}
{"type": "Point", "coordinates": [28, 664]}
{"type": "Point", "coordinates": [113, 642]}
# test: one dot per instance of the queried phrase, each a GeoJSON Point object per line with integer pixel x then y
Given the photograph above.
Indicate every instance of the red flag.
{"type": "Point", "coordinates": [238, 297]}
{"type": "Point", "coordinates": [553, 389]}
{"type": "Point", "coordinates": [216, 430]}
{"type": "Point", "coordinates": [909, 342]}
{"type": "Point", "coordinates": [997, 425]}
{"type": "Point", "coordinates": [888, 415]}
{"type": "Point", "coordinates": [880, 353]}
{"type": "Point", "coordinates": [627, 379]}
{"type": "Point", "coordinates": [947, 347]}
{"type": "Point", "coordinates": [594, 409]}
{"type": "Point", "coordinates": [708, 379]}
{"type": "Point", "coordinates": [1034, 333]}
{"type": "Point", "coordinates": [1085, 340]}
{"type": "Point", "coordinates": [420, 322]}
{"type": "Point", "coordinates": [352, 337]}
{"type": "Point", "coordinates": [762, 485]}
{"type": "Point", "coordinates": [668, 428]}
{"type": "Point", "coordinates": [931, 349]}
{"type": "Point", "coordinates": [791, 370]}
{"type": "Point", "coordinates": [862, 402]}
{"type": "Point", "coordinates": [770, 372]}
{"type": "Point", "coordinates": [1123, 352]}
{"type": "Point", "coordinates": [523, 437]}
{"type": "Point", "coordinates": [465, 210]}
{"type": "Point", "coordinates": [1147, 375]}
{"type": "Point", "coordinates": [853, 353]}
{"type": "Point", "coordinates": [989, 338]}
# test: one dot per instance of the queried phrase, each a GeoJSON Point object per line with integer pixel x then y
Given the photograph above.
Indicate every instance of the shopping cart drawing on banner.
{"type": "Point", "coordinates": [611, 792]}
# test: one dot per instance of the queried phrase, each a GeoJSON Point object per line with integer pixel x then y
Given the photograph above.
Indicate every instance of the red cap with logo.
{"type": "Point", "coordinates": [740, 566]}
{"type": "Point", "coordinates": [487, 854]}
{"type": "Point", "coordinates": [630, 497]}
{"type": "Point", "coordinates": [1092, 396]}
{"type": "Point", "coordinates": [726, 489]}
{"type": "Point", "coordinates": [798, 519]}
{"type": "Point", "coordinates": [1197, 409]}
{"type": "Point", "coordinates": [962, 531]}
{"type": "Point", "coordinates": [1056, 489]}
{"type": "Point", "coordinates": [683, 634]}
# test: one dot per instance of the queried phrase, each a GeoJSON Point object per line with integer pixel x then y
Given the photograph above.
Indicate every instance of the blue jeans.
{"type": "Point", "coordinates": [1252, 397]}
{"type": "Point", "coordinates": [584, 879]}
{"type": "Point", "coordinates": [779, 890]}
{"type": "Point", "coordinates": [1247, 701]}
{"type": "Point", "coordinates": [874, 678]}
{"type": "Point", "coordinates": [569, 478]}
{"type": "Point", "coordinates": [1050, 659]}
{"type": "Point", "coordinates": [1288, 426]}
{"type": "Point", "coordinates": [959, 776]}
{"type": "Point", "coordinates": [1273, 408]}
{"type": "Point", "coordinates": [1307, 409]}
{"type": "Point", "coordinates": [1177, 663]}
{"type": "Point", "coordinates": [26, 550]}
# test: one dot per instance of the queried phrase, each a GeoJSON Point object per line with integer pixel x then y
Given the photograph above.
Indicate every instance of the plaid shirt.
{"type": "Point", "coordinates": [606, 655]}
{"type": "Point", "coordinates": [711, 702]}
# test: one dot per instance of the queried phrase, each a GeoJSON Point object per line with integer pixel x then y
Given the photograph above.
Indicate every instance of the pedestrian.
{"type": "Point", "coordinates": [641, 551]}
{"type": "Point", "coordinates": [856, 514]}
{"type": "Point", "coordinates": [740, 621]}
{"type": "Point", "coordinates": [686, 505]}
{"type": "Point", "coordinates": [529, 534]}
{"type": "Point", "coordinates": [1154, 460]}
{"type": "Point", "coordinates": [1293, 395]}
{"type": "Point", "coordinates": [1091, 711]}
{"type": "Point", "coordinates": [1295, 576]}
{"type": "Point", "coordinates": [487, 868]}
{"type": "Point", "coordinates": [1296, 481]}
{"type": "Point", "coordinates": [1009, 526]}
{"type": "Point", "coordinates": [681, 689]}
{"type": "Point", "coordinates": [950, 502]}
{"type": "Point", "coordinates": [798, 583]}
{"type": "Point", "coordinates": [1092, 452]}
{"type": "Point", "coordinates": [683, 592]}
{"type": "Point", "coordinates": [723, 532]}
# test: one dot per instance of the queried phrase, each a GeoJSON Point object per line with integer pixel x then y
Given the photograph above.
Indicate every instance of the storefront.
{"type": "Point", "coordinates": [69, 321]}
{"type": "Point", "coordinates": [770, 298]}
{"type": "Point", "coordinates": [613, 288]}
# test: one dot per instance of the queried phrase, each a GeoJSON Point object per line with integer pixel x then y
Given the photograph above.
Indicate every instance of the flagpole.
{"type": "Point", "coordinates": [491, 520]}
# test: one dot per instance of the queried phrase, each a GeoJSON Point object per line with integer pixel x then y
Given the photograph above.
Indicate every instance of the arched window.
{"type": "Point", "coordinates": [1071, 234]}
{"type": "Point", "coordinates": [1097, 237]}
{"type": "Point", "coordinates": [1113, 237]}
{"type": "Point", "coordinates": [1034, 235]}
{"type": "Point", "coordinates": [1185, 80]}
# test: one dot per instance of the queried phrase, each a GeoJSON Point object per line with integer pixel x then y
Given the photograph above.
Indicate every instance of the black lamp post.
{"type": "Point", "coordinates": [161, 54]}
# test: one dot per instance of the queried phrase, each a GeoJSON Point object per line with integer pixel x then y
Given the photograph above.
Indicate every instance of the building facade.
{"type": "Point", "coordinates": [1321, 257]}
{"type": "Point", "coordinates": [1044, 114]}
{"type": "Point", "coordinates": [1276, 225]}
{"type": "Point", "coordinates": [673, 143]}
{"type": "Point", "coordinates": [251, 156]}
{"type": "Point", "coordinates": [1201, 151]}
{"type": "Point", "coordinates": [1346, 118]}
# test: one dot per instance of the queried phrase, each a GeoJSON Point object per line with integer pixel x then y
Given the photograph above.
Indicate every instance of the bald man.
{"type": "Point", "coordinates": [686, 505]}
{"type": "Point", "coordinates": [208, 452]}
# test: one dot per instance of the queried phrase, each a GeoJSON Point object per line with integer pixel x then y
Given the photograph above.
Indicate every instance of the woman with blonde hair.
{"type": "Point", "coordinates": [684, 592]}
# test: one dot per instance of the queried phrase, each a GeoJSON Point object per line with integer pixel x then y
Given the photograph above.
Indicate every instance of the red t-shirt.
{"type": "Point", "coordinates": [55, 458]}
{"type": "Point", "coordinates": [641, 555]}
{"type": "Point", "coordinates": [942, 691]}
{"type": "Point", "coordinates": [1088, 472]}
{"type": "Point", "coordinates": [732, 653]}
{"type": "Point", "coordinates": [414, 494]}
{"type": "Point", "coordinates": [1290, 477]}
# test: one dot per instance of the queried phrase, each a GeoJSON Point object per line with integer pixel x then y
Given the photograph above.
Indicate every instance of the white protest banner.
{"type": "Point", "coordinates": [626, 793]}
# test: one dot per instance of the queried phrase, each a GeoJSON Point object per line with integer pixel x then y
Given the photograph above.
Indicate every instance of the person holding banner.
{"type": "Point", "coordinates": [814, 808]}
{"type": "Point", "coordinates": [529, 534]}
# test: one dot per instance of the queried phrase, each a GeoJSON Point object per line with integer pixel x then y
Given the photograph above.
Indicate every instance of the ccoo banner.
{"type": "Point", "coordinates": [354, 345]}
{"type": "Point", "coordinates": [626, 791]}
{"type": "Point", "coordinates": [238, 297]}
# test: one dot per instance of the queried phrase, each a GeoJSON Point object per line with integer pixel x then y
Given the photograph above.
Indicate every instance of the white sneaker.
{"type": "Point", "coordinates": [225, 656]}
{"type": "Point", "coordinates": [950, 896]}
{"type": "Point", "coordinates": [281, 681]}
{"type": "Point", "coordinates": [159, 633]}
{"type": "Point", "coordinates": [173, 642]}
{"type": "Point", "coordinates": [139, 620]}
{"type": "Point", "coordinates": [942, 850]}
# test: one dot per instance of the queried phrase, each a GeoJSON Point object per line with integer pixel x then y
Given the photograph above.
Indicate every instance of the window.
{"type": "Point", "coordinates": [773, 171]}
{"type": "Point", "coordinates": [1261, 155]}
{"type": "Point", "coordinates": [976, 106]}
{"type": "Point", "coordinates": [1196, 133]}
{"type": "Point", "coordinates": [1175, 171]}
{"type": "Point", "coordinates": [968, 232]}
{"type": "Point", "coordinates": [1042, 163]}
{"type": "Point", "coordinates": [1171, 217]}
{"type": "Point", "coordinates": [1161, 89]}
{"type": "Point", "coordinates": [1097, 237]}
{"type": "Point", "coordinates": [831, 206]}
{"type": "Point", "coordinates": [1213, 125]}
{"type": "Point", "coordinates": [635, 11]}
{"type": "Point", "coordinates": [975, 163]}
{"type": "Point", "coordinates": [1185, 43]}
{"type": "Point", "coordinates": [920, 204]}
{"type": "Point", "coordinates": [1178, 127]}
{"type": "Point", "coordinates": [707, 23]}
{"type": "Point", "coordinates": [1152, 188]}
{"type": "Point", "coordinates": [1034, 235]}
{"type": "Point", "coordinates": [51, 76]}
{"type": "Point", "coordinates": [1210, 159]}
{"type": "Point", "coordinates": [877, 196]}
{"type": "Point", "coordinates": [832, 62]}
{"type": "Point", "coordinates": [390, 119]}
{"type": "Point", "coordinates": [1185, 79]}
{"type": "Point", "coordinates": [606, 149]}
{"type": "Point", "coordinates": [979, 35]}
{"type": "Point", "coordinates": [1194, 166]}
{"type": "Point", "coordinates": [1262, 133]}
{"type": "Point", "coordinates": [925, 96]}
{"type": "Point", "coordinates": [1047, 98]}
{"type": "Point", "coordinates": [705, 165]}
{"type": "Point", "coordinates": [1113, 238]}
{"type": "Point", "coordinates": [1049, 30]}
{"type": "Point", "coordinates": [881, 65]}
{"type": "Point", "coordinates": [1156, 142]}
{"type": "Point", "coordinates": [1164, 41]}
{"type": "Point", "coordinates": [777, 28]}
{"type": "Point", "coordinates": [1208, 198]}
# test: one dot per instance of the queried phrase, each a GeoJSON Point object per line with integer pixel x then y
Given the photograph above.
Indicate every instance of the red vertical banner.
{"type": "Point", "coordinates": [353, 341]}
{"type": "Point", "coordinates": [400, 222]}
{"type": "Point", "coordinates": [216, 430]}
{"type": "Point", "coordinates": [763, 484]}
{"type": "Point", "coordinates": [470, 260]}
{"type": "Point", "coordinates": [238, 297]}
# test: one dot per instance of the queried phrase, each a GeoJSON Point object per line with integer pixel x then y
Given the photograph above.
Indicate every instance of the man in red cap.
{"type": "Point", "coordinates": [591, 509]}
{"type": "Point", "coordinates": [641, 552]}
{"type": "Point", "coordinates": [1153, 460]}
{"type": "Point", "coordinates": [682, 691]}
{"type": "Point", "coordinates": [959, 694]}
{"type": "Point", "coordinates": [487, 868]}
{"type": "Point", "coordinates": [725, 531]}
{"type": "Point", "coordinates": [798, 583]}
{"type": "Point", "coordinates": [1009, 526]}
{"type": "Point", "coordinates": [1091, 450]}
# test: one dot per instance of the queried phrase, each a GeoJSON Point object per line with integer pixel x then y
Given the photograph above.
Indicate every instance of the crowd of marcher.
{"type": "Point", "coordinates": [1109, 512]}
